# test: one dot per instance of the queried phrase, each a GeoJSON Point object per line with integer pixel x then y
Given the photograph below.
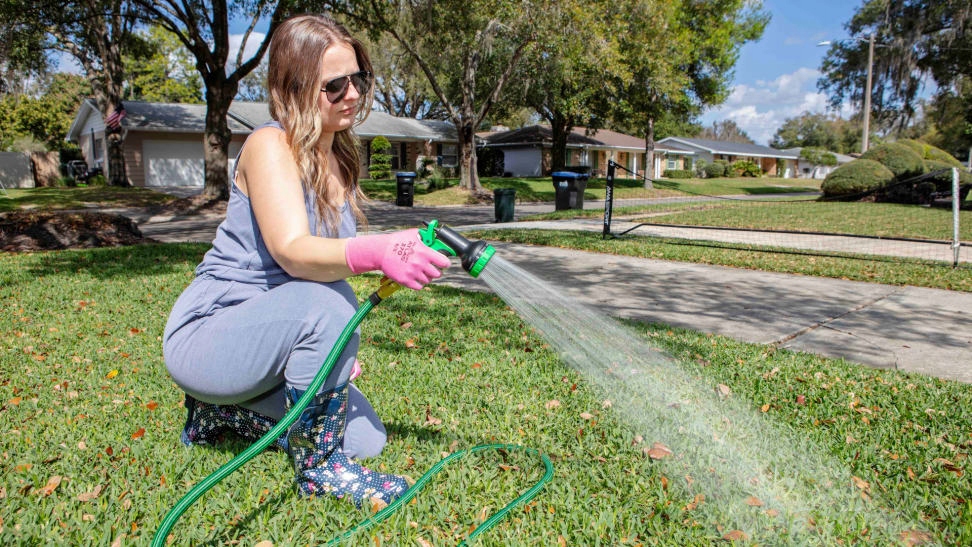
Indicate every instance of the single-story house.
{"type": "Point", "coordinates": [773, 162]}
{"type": "Point", "coordinates": [807, 170]}
{"type": "Point", "coordinates": [163, 142]}
{"type": "Point", "coordinates": [527, 151]}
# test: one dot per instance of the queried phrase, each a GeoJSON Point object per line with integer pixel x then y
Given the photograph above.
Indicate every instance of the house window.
{"type": "Point", "coordinates": [399, 157]}
{"type": "Point", "coordinates": [448, 155]}
{"type": "Point", "coordinates": [671, 162]}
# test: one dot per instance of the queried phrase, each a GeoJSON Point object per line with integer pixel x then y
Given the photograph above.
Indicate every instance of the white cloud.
{"type": "Point", "coordinates": [761, 108]}
{"type": "Point", "coordinates": [252, 45]}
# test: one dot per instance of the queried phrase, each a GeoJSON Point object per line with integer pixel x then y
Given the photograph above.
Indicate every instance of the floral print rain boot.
{"type": "Point", "coordinates": [315, 441]}
{"type": "Point", "coordinates": [207, 423]}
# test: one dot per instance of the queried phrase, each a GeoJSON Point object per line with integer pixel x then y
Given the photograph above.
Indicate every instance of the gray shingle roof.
{"type": "Point", "coordinates": [731, 148]}
{"type": "Point", "coordinates": [245, 116]}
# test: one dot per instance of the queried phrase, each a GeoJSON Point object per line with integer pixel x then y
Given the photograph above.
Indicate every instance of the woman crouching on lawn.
{"type": "Point", "coordinates": [269, 300]}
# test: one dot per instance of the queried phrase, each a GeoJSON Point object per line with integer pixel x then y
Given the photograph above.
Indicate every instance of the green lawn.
{"type": "Point", "coordinates": [80, 198]}
{"type": "Point", "coordinates": [541, 188]}
{"type": "Point", "coordinates": [90, 452]}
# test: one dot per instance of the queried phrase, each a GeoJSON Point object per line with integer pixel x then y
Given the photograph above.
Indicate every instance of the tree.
{"type": "Point", "coordinates": [160, 69]}
{"type": "Point", "coordinates": [681, 54]}
{"type": "Point", "coordinates": [818, 130]}
{"type": "Point", "coordinates": [456, 43]}
{"type": "Point", "coordinates": [916, 40]}
{"type": "Point", "coordinates": [94, 33]}
{"type": "Point", "coordinates": [22, 48]}
{"type": "Point", "coordinates": [203, 28]}
{"type": "Point", "coordinates": [727, 131]}
{"type": "Point", "coordinates": [42, 117]}
{"type": "Point", "coordinates": [556, 77]}
{"type": "Point", "coordinates": [401, 89]}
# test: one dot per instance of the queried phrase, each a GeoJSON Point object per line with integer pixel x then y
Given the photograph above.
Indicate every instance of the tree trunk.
{"type": "Point", "coordinates": [560, 127]}
{"type": "Point", "coordinates": [650, 153]}
{"type": "Point", "coordinates": [468, 176]}
{"type": "Point", "coordinates": [216, 142]}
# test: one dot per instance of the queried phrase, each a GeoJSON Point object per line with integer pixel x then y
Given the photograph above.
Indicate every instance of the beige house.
{"type": "Point", "coordinates": [527, 151]}
{"type": "Point", "coordinates": [773, 162]}
{"type": "Point", "coordinates": [163, 142]}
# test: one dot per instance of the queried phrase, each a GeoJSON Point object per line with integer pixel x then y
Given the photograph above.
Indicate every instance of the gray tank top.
{"type": "Point", "coordinates": [239, 253]}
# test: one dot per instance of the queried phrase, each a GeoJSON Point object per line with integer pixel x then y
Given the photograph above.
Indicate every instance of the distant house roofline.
{"type": "Point", "coordinates": [732, 148]}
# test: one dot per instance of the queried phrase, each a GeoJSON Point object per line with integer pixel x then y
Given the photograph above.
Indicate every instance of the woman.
{"type": "Point", "coordinates": [269, 300]}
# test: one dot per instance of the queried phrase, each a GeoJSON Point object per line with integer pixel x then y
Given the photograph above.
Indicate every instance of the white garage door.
{"type": "Point", "coordinates": [174, 163]}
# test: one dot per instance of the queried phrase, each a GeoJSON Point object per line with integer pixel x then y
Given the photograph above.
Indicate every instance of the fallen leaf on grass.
{"type": "Point", "coordinates": [112, 374]}
{"type": "Point", "coordinates": [735, 535]}
{"type": "Point", "coordinates": [264, 543]}
{"type": "Point", "coordinates": [152, 405]}
{"type": "Point", "coordinates": [139, 434]}
{"type": "Point", "coordinates": [723, 390]}
{"type": "Point", "coordinates": [551, 404]}
{"type": "Point", "coordinates": [753, 501]}
{"type": "Point", "coordinates": [431, 420]}
{"type": "Point", "coordinates": [915, 537]}
{"type": "Point", "coordinates": [658, 451]}
{"type": "Point", "coordinates": [586, 415]}
{"type": "Point", "coordinates": [410, 343]}
{"type": "Point", "coordinates": [51, 485]}
{"type": "Point", "coordinates": [697, 501]}
{"type": "Point", "coordinates": [764, 408]}
{"type": "Point", "coordinates": [88, 496]}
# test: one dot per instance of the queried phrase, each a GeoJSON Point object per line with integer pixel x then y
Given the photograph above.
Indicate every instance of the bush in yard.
{"type": "Point", "coordinates": [930, 152]}
{"type": "Point", "coordinates": [677, 174]}
{"type": "Point", "coordinates": [380, 167]}
{"type": "Point", "coordinates": [746, 168]}
{"type": "Point", "coordinates": [699, 168]}
{"type": "Point", "coordinates": [898, 158]}
{"type": "Point", "coordinates": [715, 169]}
{"type": "Point", "coordinates": [855, 178]}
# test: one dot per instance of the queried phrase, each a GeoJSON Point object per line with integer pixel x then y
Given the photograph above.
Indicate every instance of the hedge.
{"type": "Point", "coordinates": [856, 177]}
{"type": "Point", "coordinates": [678, 174]}
{"type": "Point", "coordinates": [898, 158]}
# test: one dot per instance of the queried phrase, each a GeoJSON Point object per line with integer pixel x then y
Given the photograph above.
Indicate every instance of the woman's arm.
{"type": "Point", "coordinates": [268, 174]}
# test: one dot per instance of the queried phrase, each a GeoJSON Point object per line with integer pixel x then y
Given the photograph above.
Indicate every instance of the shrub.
{"type": "Point", "coordinates": [699, 168]}
{"type": "Point", "coordinates": [919, 148]}
{"type": "Point", "coordinates": [856, 178]}
{"type": "Point", "coordinates": [746, 168]}
{"type": "Point", "coordinates": [898, 158]}
{"type": "Point", "coordinates": [677, 174]}
{"type": "Point", "coordinates": [715, 169]}
{"type": "Point", "coordinates": [380, 167]}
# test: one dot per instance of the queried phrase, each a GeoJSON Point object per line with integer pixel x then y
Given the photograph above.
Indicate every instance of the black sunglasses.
{"type": "Point", "coordinates": [337, 88]}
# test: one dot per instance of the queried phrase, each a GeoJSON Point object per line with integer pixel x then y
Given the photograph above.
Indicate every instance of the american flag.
{"type": "Point", "coordinates": [113, 121]}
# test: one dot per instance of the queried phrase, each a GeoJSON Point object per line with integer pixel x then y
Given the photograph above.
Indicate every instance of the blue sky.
{"type": "Point", "coordinates": [776, 77]}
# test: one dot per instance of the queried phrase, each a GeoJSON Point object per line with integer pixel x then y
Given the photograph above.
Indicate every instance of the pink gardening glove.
{"type": "Point", "coordinates": [400, 255]}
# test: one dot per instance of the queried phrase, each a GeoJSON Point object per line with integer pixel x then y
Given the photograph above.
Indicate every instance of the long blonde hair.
{"type": "Point", "coordinates": [294, 82]}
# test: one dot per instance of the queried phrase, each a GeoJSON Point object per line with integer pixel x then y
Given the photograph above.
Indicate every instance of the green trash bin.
{"type": "Point", "coordinates": [503, 202]}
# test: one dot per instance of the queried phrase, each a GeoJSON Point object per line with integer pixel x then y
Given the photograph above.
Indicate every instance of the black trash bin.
{"type": "Point", "coordinates": [406, 188]}
{"type": "Point", "coordinates": [504, 200]}
{"type": "Point", "coordinates": [569, 190]}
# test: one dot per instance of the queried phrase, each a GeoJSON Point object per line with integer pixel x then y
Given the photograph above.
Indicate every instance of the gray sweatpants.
{"type": "Point", "coordinates": [235, 343]}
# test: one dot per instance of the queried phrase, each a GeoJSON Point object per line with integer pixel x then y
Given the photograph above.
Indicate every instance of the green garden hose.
{"type": "Point", "coordinates": [386, 289]}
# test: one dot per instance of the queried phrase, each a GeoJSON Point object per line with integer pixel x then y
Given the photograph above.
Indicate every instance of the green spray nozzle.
{"type": "Point", "coordinates": [473, 254]}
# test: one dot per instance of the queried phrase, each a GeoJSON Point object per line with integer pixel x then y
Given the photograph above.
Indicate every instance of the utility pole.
{"type": "Point", "coordinates": [867, 94]}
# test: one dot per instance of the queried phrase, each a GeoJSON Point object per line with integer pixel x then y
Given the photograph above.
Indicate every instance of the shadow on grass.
{"type": "Point", "coordinates": [110, 262]}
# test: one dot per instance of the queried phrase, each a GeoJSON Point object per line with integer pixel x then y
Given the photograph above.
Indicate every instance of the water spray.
{"type": "Point", "coordinates": [474, 256]}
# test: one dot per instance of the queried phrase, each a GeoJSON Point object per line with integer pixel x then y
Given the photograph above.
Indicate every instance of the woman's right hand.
{"type": "Point", "coordinates": [400, 255]}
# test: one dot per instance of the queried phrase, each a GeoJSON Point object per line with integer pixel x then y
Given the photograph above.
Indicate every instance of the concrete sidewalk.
{"type": "Point", "coordinates": [926, 331]}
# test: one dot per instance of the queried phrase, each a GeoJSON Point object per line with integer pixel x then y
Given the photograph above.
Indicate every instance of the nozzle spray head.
{"type": "Point", "coordinates": [474, 255]}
